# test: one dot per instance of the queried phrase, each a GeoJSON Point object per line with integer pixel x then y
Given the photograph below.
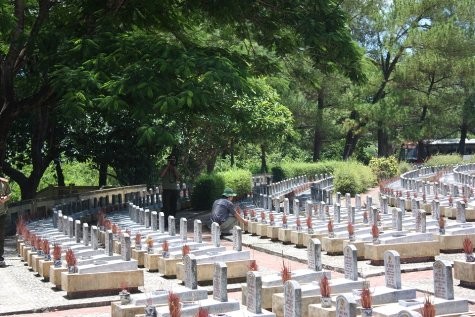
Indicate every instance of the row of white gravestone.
{"type": "Point", "coordinates": [346, 305]}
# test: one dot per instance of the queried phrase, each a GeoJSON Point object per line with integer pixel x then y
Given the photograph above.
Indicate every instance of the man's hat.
{"type": "Point", "coordinates": [228, 192]}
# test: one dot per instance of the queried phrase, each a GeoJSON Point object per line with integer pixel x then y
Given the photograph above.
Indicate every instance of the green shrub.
{"type": "Point", "coordinates": [353, 177]}
{"type": "Point", "coordinates": [239, 180]}
{"type": "Point", "coordinates": [206, 189]}
{"type": "Point", "coordinates": [309, 169]}
{"type": "Point", "coordinates": [278, 173]}
{"type": "Point", "coordinates": [444, 159]}
{"type": "Point", "coordinates": [384, 167]}
{"type": "Point", "coordinates": [404, 167]}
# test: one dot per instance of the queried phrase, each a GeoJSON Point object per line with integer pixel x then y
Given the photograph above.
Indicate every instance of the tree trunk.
{"type": "Point", "coordinates": [421, 151]}
{"type": "Point", "coordinates": [463, 136]}
{"type": "Point", "coordinates": [383, 141]}
{"type": "Point", "coordinates": [231, 149]}
{"type": "Point", "coordinates": [263, 160]}
{"type": "Point", "coordinates": [59, 172]}
{"type": "Point", "coordinates": [351, 139]}
{"type": "Point", "coordinates": [319, 131]}
{"type": "Point", "coordinates": [103, 174]}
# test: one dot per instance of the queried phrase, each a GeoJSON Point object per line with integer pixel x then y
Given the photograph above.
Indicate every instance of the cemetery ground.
{"type": "Point", "coordinates": [23, 293]}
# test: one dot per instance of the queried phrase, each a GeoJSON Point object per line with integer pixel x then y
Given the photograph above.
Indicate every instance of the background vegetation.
{"type": "Point", "coordinates": [120, 85]}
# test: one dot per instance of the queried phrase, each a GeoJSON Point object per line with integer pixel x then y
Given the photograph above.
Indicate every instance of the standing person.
{"type": "Point", "coordinates": [5, 195]}
{"type": "Point", "coordinates": [224, 213]}
{"type": "Point", "coordinates": [170, 191]}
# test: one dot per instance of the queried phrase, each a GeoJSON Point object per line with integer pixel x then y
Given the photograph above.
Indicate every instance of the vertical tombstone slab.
{"type": "Point", "coordinates": [55, 218]}
{"type": "Point", "coordinates": [254, 292]}
{"type": "Point", "coordinates": [418, 216]}
{"type": "Point", "coordinates": [237, 238]}
{"type": "Point", "coordinates": [94, 237]}
{"type": "Point", "coordinates": [374, 216]}
{"type": "Point", "coordinates": [350, 262]}
{"type": "Point", "coordinates": [402, 204]}
{"type": "Point", "coordinates": [286, 206]}
{"type": "Point", "coordinates": [394, 212]}
{"type": "Point", "coordinates": [296, 206]}
{"type": "Point", "coordinates": [308, 208]}
{"type": "Point", "coordinates": [337, 213]}
{"type": "Point", "coordinates": [314, 255]}
{"type": "Point", "coordinates": [85, 234]}
{"type": "Point", "coordinates": [70, 227]}
{"type": "Point", "coordinates": [60, 221]}
{"type": "Point", "coordinates": [345, 307]}
{"type": "Point", "coordinates": [384, 206]}
{"type": "Point", "coordinates": [191, 271]}
{"type": "Point", "coordinates": [348, 200]}
{"type": "Point", "coordinates": [369, 202]}
{"type": "Point", "coordinates": [460, 216]}
{"type": "Point", "coordinates": [77, 230]}
{"type": "Point", "coordinates": [352, 215]}
{"type": "Point", "coordinates": [358, 202]}
{"type": "Point", "coordinates": [399, 220]}
{"type": "Point", "coordinates": [392, 269]}
{"type": "Point", "coordinates": [277, 204]}
{"type": "Point", "coordinates": [142, 216]}
{"type": "Point", "coordinates": [126, 248]}
{"type": "Point", "coordinates": [171, 226]}
{"type": "Point", "coordinates": [443, 280]}
{"type": "Point", "coordinates": [161, 222]}
{"type": "Point", "coordinates": [220, 282]}
{"type": "Point", "coordinates": [154, 220]}
{"type": "Point", "coordinates": [423, 220]}
{"type": "Point", "coordinates": [147, 218]}
{"type": "Point", "coordinates": [109, 245]}
{"type": "Point", "coordinates": [292, 299]}
{"type": "Point", "coordinates": [215, 234]}
{"type": "Point", "coordinates": [183, 229]}
{"type": "Point", "coordinates": [197, 231]}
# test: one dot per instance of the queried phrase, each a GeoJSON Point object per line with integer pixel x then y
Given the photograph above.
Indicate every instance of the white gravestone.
{"type": "Point", "coordinates": [191, 271]}
{"type": "Point", "coordinates": [254, 292]}
{"type": "Point", "coordinates": [220, 282]}
{"type": "Point", "coordinates": [443, 280]}
{"type": "Point", "coordinates": [350, 262]}
{"type": "Point", "coordinates": [292, 299]}
{"type": "Point", "coordinates": [197, 231]}
{"type": "Point", "coordinates": [392, 269]}
{"type": "Point", "coordinates": [314, 255]}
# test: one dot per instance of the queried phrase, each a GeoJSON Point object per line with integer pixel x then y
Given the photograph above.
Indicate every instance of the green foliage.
{"type": "Point", "coordinates": [353, 177]}
{"type": "Point", "coordinates": [444, 159]}
{"type": "Point", "coordinates": [75, 173]}
{"type": "Point", "coordinates": [239, 180]}
{"type": "Point", "coordinates": [206, 189]}
{"type": "Point", "coordinates": [404, 167]}
{"type": "Point", "coordinates": [288, 169]}
{"type": "Point", "coordinates": [209, 187]}
{"type": "Point", "coordinates": [384, 167]}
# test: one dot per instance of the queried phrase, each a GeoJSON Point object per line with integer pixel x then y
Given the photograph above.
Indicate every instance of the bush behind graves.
{"type": "Point", "coordinates": [240, 180]}
{"type": "Point", "coordinates": [384, 167]}
{"type": "Point", "coordinates": [209, 187]}
{"type": "Point", "coordinates": [293, 169]}
{"type": "Point", "coordinates": [353, 177]}
{"type": "Point", "coordinates": [444, 159]}
{"type": "Point", "coordinates": [206, 189]}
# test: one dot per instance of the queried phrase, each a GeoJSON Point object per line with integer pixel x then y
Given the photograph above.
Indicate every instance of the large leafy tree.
{"type": "Point", "coordinates": [148, 59]}
{"type": "Point", "coordinates": [388, 30]}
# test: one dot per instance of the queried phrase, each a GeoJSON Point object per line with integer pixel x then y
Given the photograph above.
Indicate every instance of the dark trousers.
{"type": "Point", "coordinates": [170, 197]}
{"type": "Point", "coordinates": [2, 235]}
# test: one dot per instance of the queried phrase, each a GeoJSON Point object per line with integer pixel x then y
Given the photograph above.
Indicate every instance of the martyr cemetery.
{"type": "Point", "coordinates": [411, 219]}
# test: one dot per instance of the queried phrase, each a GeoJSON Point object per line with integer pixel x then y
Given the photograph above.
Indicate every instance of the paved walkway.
{"type": "Point", "coordinates": [22, 292]}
